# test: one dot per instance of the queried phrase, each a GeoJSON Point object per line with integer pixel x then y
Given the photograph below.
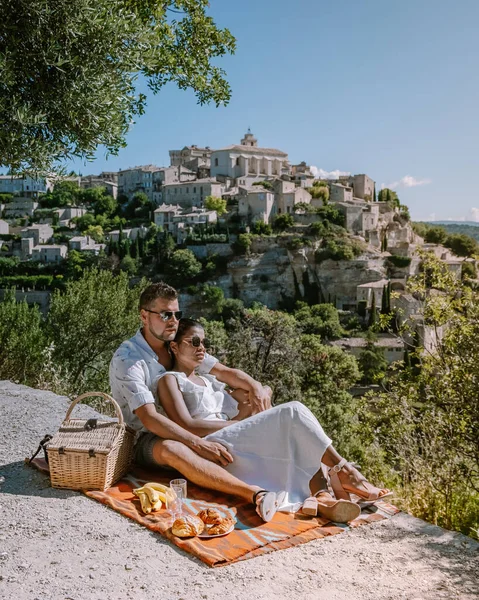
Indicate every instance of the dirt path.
{"type": "Point", "coordinates": [59, 545]}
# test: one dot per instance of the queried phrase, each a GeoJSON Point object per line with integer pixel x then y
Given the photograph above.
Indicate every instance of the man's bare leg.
{"type": "Point", "coordinates": [201, 471]}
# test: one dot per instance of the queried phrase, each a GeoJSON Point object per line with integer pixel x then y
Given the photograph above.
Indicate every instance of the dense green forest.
{"type": "Point", "coordinates": [457, 228]}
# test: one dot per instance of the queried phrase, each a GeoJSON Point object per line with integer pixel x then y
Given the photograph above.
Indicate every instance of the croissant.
{"type": "Point", "coordinates": [188, 526]}
{"type": "Point", "coordinates": [210, 516]}
{"type": "Point", "coordinates": [221, 527]}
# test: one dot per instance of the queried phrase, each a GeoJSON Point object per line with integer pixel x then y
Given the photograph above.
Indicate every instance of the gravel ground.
{"type": "Point", "coordinates": [61, 545]}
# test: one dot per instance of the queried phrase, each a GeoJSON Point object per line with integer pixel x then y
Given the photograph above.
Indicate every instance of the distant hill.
{"type": "Point", "coordinates": [469, 228]}
{"type": "Point", "coordinates": [471, 223]}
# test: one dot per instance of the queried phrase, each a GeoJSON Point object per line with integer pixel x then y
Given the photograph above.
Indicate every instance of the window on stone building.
{"type": "Point", "coordinates": [187, 190]}
{"type": "Point", "coordinates": [194, 190]}
{"type": "Point", "coordinates": [216, 162]}
{"type": "Point", "coordinates": [237, 162]}
{"type": "Point", "coordinates": [175, 190]}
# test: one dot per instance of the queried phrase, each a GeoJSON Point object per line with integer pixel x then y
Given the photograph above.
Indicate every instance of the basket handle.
{"type": "Point", "coordinates": [101, 395]}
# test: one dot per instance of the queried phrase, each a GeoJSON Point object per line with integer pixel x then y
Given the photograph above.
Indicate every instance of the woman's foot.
{"type": "Point", "coordinates": [267, 503]}
{"type": "Point", "coordinates": [339, 511]}
{"type": "Point", "coordinates": [351, 481]}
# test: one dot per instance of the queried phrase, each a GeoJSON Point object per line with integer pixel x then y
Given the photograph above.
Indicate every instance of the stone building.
{"type": "Point", "coordinates": [39, 233]}
{"type": "Point", "coordinates": [128, 234]}
{"type": "Point", "coordinates": [137, 179]}
{"type": "Point", "coordinates": [360, 217]}
{"type": "Point", "coordinates": [301, 175]}
{"type": "Point", "coordinates": [246, 162]}
{"type": "Point", "coordinates": [163, 215]}
{"type": "Point", "coordinates": [366, 291]}
{"type": "Point", "coordinates": [20, 207]}
{"type": "Point", "coordinates": [391, 346]}
{"type": "Point", "coordinates": [179, 221]}
{"type": "Point", "coordinates": [287, 196]}
{"type": "Point", "coordinates": [67, 213]}
{"type": "Point", "coordinates": [191, 193]}
{"type": "Point", "coordinates": [24, 186]}
{"type": "Point", "coordinates": [84, 243]}
{"type": "Point", "coordinates": [106, 179]}
{"type": "Point", "coordinates": [363, 186]}
{"type": "Point", "coordinates": [256, 203]}
{"type": "Point", "coordinates": [194, 158]}
{"type": "Point", "coordinates": [167, 175]}
{"type": "Point", "coordinates": [49, 253]}
{"type": "Point", "coordinates": [340, 193]}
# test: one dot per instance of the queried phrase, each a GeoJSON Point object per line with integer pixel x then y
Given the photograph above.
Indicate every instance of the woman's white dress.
{"type": "Point", "coordinates": [278, 449]}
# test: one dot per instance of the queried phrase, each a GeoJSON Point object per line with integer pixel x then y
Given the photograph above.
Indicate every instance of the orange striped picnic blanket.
{"type": "Point", "coordinates": [251, 537]}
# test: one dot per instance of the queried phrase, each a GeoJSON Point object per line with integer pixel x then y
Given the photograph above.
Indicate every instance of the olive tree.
{"type": "Point", "coordinates": [69, 71]}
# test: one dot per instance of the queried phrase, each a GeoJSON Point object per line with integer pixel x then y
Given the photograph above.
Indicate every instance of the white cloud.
{"type": "Point", "coordinates": [406, 182]}
{"type": "Point", "coordinates": [475, 215]}
{"type": "Point", "coordinates": [322, 174]}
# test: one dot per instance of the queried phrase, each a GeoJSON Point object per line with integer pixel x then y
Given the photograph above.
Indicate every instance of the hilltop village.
{"type": "Point", "coordinates": [240, 218]}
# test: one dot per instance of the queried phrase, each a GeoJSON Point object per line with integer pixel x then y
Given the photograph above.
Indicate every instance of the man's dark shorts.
{"type": "Point", "coordinates": [144, 451]}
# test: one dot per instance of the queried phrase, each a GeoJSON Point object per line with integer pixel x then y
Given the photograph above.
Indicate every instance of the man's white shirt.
{"type": "Point", "coordinates": [134, 375]}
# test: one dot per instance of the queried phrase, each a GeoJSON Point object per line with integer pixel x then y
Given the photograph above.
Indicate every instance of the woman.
{"type": "Point", "coordinates": [282, 448]}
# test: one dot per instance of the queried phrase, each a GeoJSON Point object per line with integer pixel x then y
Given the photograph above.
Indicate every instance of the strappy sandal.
{"type": "Point", "coordinates": [267, 503]}
{"type": "Point", "coordinates": [343, 490]}
{"type": "Point", "coordinates": [339, 511]}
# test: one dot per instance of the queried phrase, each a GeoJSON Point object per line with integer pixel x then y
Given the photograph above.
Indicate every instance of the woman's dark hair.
{"type": "Point", "coordinates": [184, 326]}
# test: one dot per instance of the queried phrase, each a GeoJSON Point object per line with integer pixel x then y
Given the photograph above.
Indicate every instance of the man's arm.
{"type": "Point", "coordinates": [167, 429]}
{"type": "Point", "coordinates": [259, 396]}
{"type": "Point", "coordinates": [127, 378]}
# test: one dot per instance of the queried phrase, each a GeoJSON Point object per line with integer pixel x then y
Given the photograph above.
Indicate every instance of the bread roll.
{"type": "Point", "coordinates": [221, 527]}
{"type": "Point", "coordinates": [187, 526]}
{"type": "Point", "coordinates": [210, 516]}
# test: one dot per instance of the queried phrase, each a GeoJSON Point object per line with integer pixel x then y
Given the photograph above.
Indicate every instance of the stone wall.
{"type": "Point", "coordinates": [42, 298]}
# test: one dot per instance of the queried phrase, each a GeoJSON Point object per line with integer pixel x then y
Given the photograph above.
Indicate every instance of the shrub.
{"type": "Point", "coordinates": [296, 243]}
{"type": "Point", "coordinates": [22, 341]}
{"type": "Point", "coordinates": [435, 235]}
{"type": "Point", "coordinates": [461, 244]}
{"type": "Point", "coordinates": [266, 184]}
{"type": "Point", "coordinates": [398, 261]}
{"type": "Point", "coordinates": [243, 243]}
{"type": "Point", "coordinates": [319, 192]}
{"type": "Point", "coordinates": [283, 222]}
{"type": "Point", "coordinates": [262, 228]}
{"type": "Point", "coordinates": [338, 249]}
{"type": "Point", "coordinates": [183, 266]}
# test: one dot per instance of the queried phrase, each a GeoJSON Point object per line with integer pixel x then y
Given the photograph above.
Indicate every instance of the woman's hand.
{"type": "Point", "coordinates": [244, 411]}
{"type": "Point", "coordinates": [213, 451]}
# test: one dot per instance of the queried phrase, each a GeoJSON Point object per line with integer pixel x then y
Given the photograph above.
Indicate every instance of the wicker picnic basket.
{"type": "Point", "coordinates": [90, 454]}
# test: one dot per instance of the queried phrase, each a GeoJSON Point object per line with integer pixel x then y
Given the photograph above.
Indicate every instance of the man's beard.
{"type": "Point", "coordinates": [160, 337]}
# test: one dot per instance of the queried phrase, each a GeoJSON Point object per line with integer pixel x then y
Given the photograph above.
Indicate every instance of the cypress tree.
{"type": "Point", "coordinates": [384, 301]}
{"type": "Point", "coordinates": [372, 312]}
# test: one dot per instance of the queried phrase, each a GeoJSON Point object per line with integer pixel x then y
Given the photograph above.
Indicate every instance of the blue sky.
{"type": "Point", "coordinates": [390, 89]}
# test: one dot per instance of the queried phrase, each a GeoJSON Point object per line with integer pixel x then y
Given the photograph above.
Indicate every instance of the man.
{"type": "Point", "coordinates": [134, 372]}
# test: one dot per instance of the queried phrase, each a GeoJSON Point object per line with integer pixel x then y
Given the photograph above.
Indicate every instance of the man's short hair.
{"type": "Point", "coordinates": [155, 291]}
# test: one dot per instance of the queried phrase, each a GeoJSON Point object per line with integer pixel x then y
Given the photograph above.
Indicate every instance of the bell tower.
{"type": "Point", "coordinates": [249, 139]}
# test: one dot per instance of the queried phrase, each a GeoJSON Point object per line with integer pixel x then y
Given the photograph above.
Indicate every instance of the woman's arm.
{"type": "Point", "coordinates": [174, 405]}
{"type": "Point", "coordinates": [258, 396]}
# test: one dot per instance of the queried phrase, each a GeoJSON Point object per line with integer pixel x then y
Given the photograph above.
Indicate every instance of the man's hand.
{"type": "Point", "coordinates": [213, 451]}
{"type": "Point", "coordinates": [259, 398]}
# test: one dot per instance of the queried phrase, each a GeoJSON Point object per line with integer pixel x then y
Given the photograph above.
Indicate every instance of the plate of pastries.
{"type": "Point", "coordinates": [208, 523]}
